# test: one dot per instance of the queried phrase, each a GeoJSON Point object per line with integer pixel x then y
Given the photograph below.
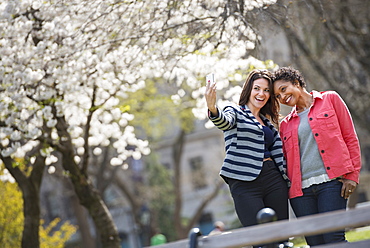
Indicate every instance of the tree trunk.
{"type": "Point", "coordinates": [92, 201]}
{"type": "Point", "coordinates": [131, 198]}
{"type": "Point", "coordinates": [176, 155]}
{"type": "Point", "coordinates": [89, 197]}
{"type": "Point", "coordinates": [30, 187]}
{"type": "Point", "coordinates": [81, 216]}
{"type": "Point", "coordinates": [331, 48]}
{"type": "Point", "coordinates": [205, 201]}
{"type": "Point", "coordinates": [31, 211]}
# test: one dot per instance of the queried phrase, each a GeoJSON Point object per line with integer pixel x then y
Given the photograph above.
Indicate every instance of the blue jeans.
{"type": "Point", "coordinates": [321, 198]}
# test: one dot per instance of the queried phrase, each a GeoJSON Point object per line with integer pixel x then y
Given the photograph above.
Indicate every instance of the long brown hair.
{"type": "Point", "coordinates": [272, 107]}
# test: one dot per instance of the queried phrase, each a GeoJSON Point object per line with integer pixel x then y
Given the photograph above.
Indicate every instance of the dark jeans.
{"type": "Point", "coordinates": [321, 198]}
{"type": "Point", "coordinates": [269, 189]}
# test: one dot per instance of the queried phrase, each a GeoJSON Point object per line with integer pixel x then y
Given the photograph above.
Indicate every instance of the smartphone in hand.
{"type": "Point", "coordinates": [210, 78]}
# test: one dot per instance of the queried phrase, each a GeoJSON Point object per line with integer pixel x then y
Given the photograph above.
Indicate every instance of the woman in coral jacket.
{"type": "Point", "coordinates": [321, 149]}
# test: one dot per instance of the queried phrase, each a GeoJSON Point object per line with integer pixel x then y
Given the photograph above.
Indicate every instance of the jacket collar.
{"type": "Point", "coordinates": [294, 113]}
{"type": "Point", "coordinates": [246, 110]}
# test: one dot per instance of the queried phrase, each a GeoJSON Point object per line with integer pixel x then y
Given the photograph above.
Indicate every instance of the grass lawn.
{"type": "Point", "coordinates": [352, 236]}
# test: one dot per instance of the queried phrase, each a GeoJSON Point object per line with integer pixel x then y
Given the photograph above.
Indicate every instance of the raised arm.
{"type": "Point", "coordinates": [211, 98]}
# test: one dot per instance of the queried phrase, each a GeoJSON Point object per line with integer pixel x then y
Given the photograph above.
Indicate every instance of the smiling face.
{"type": "Point", "coordinates": [259, 95]}
{"type": "Point", "coordinates": [287, 93]}
{"type": "Point", "coordinates": [256, 95]}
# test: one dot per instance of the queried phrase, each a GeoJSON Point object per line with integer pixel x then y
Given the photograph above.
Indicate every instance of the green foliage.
{"type": "Point", "coordinates": [358, 234]}
{"type": "Point", "coordinates": [154, 111]}
{"type": "Point", "coordinates": [352, 236]}
{"type": "Point", "coordinates": [11, 216]}
{"type": "Point", "coordinates": [56, 239]}
{"type": "Point", "coordinates": [11, 221]}
{"type": "Point", "coordinates": [162, 197]}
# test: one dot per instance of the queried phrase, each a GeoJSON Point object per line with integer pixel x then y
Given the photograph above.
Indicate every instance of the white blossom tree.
{"type": "Point", "coordinates": [67, 66]}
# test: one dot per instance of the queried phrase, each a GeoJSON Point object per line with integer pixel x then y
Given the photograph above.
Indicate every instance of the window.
{"type": "Point", "coordinates": [198, 177]}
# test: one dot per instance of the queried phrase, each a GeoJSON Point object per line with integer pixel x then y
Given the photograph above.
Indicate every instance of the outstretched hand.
{"type": "Point", "coordinates": [211, 98]}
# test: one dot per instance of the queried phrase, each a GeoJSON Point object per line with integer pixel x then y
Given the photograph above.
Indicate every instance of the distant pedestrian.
{"type": "Point", "coordinates": [219, 227]}
{"type": "Point", "coordinates": [158, 239]}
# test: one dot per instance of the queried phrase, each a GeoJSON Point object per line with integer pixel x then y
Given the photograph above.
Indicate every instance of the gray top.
{"type": "Point", "coordinates": [311, 161]}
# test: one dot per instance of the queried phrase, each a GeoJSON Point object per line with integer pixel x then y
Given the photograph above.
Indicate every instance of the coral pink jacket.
{"type": "Point", "coordinates": [334, 132]}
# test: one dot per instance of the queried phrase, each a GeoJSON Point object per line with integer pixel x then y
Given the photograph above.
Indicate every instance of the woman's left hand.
{"type": "Point", "coordinates": [348, 187]}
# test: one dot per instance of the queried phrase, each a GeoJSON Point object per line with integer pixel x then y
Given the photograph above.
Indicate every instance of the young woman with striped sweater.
{"type": "Point", "coordinates": [253, 168]}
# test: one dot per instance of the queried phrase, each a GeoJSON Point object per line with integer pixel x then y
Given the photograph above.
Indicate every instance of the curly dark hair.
{"type": "Point", "coordinates": [272, 107]}
{"type": "Point", "coordinates": [289, 74]}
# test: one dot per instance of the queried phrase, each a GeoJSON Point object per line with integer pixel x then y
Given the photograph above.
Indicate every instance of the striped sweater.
{"type": "Point", "coordinates": [244, 144]}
